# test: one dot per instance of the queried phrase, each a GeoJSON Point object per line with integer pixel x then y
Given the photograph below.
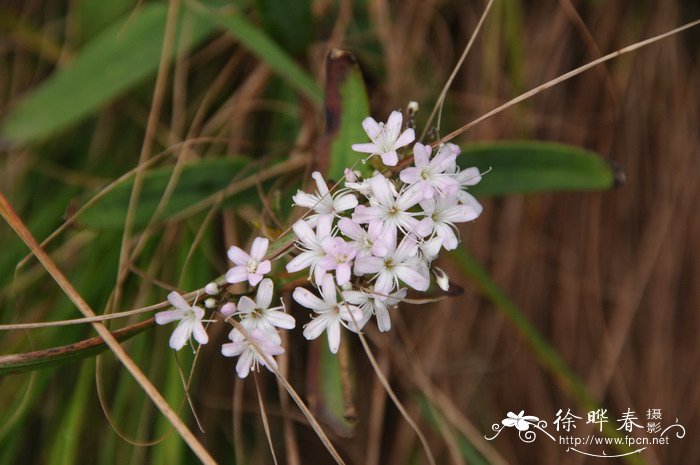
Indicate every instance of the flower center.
{"type": "Point", "coordinates": [252, 266]}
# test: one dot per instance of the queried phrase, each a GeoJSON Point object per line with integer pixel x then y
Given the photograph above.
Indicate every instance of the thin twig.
{"type": "Point", "coordinates": [8, 213]}
{"type": "Point", "coordinates": [441, 99]}
{"type": "Point", "coordinates": [263, 415]}
{"type": "Point", "coordinates": [565, 77]}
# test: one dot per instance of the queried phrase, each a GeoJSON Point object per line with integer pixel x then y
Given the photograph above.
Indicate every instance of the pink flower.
{"type": "Point", "coordinates": [190, 318]}
{"type": "Point", "coordinates": [431, 176]}
{"type": "Point", "coordinates": [310, 244]}
{"type": "Point", "coordinates": [249, 267]}
{"type": "Point", "coordinates": [400, 263]}
{"type": "Point", "coordinates": [386, 139]}
{"type": "Point", "coordinates": [443, 212]}
{"type": "Point", "coordinates": [323, 203]}
{"type": "Point", "coordinates": [339, 257]}
{"type": "Point", "coordinates": [329, 313]}
{"type": "Point", "coordinates": [250, 357]}
{"type": "Point", "coordinates": [390, 207]}
{"type": "Point", "coordinates": [257, 314]}
{"type": "Point", "coordinates": [367, 242]}
{"type": "Point", "coordinates": [372, 304]}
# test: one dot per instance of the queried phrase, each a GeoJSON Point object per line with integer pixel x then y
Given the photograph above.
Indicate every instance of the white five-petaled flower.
{"type": "Point", "coordinates": [431, 177]}
{"type": "Point", "coordinates": [373, 304]}
{"type": "Point", "coordinates": [367, 242]}
{"type": "Point", "coordinates": [520, 421]}
{"type": "Point", "coordinates": [443, 212]}
{"type": "Point", "coordinates": [386, 138]}
{"type": "Point", "coordinates": [330, 313]}
{"type": "Point", "coordinates": [250, 358]}
{"type": "Point", "coordinates": [339, 257]}
{"type": "Point", "coordinates": [249, 267]}
{"type": "Point", "coordinates": [311, 246]}
{"type": "Point", "coordinates": [323, 203]}
{"type": "Point", "coordinates": [390, 207]}
{"type": "Point", "coordinates": [257, 314]}
{"type": "Point", "coordinates": [400, 263]}
{"type": "Point", "coordinates": [190, 317]}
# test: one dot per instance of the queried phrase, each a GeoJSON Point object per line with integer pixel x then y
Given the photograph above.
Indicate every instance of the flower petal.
{"type": "Point", "coordinates": [390, 158]}
{"type": "Point", "coordinates": [264, 267]}
{"type": "Point", "coordinates": [168, 316]}
{"type": "Point", "coordinates": [238, 256]}
{"type": "Point", "coordinates": [259, 248]}
{"type": "Point", "coordinates": [393, 125]}
{"type": "Point", "coordinates": [344, 202]}
{"type": "Point", "coordinates": [178, 301]}
{"type": "Point", "coordinates": [263, 298]}
{"type": "Point", "coordinates": [307, 299]}
{"type": "Point", "coordinates": [254, 279]}
{"type": "Point", "coordinates": [280, 319]}
{"type": "Point", "coordinates": [406, 137]}
{"type": "Point", "coordinates": [181, 334]}
{"type": "Point", "coordinates": [246, 305]}
{"type": "Point", "coordinates": [327, 288]}
{"type": "Point", "coordinates": [237, 274]}
{"type": "Point", "coordinates": [333, 334]}
{"type": "Point", "coordinates": [315, 328]}
{"type": "Point", "coordinates": [371, 127]}
{"type": "Point", "coordinates": [200, 335]}
{"type": "Point", "coordinates": [365, 148]}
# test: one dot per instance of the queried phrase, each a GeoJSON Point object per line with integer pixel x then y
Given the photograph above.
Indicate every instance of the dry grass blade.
{"type": "Point", "coordinates": [16, 223]}
{"type": "Point", "coordinates": [151, 126]}
{"type": "Point", "coordinates": [293, 394]}
{"type": "Point", "coordinates": [441, 99]}
{"type": "Point", "coordinates": [564, 77]}
{"type": "Point", "coordinates": [263, 415]}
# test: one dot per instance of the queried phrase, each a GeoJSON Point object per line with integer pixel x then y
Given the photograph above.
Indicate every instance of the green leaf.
{"type": "Point", "coordinates": [17, 363]}
{"type": "Point", "coordinates": [260, 44]}
{"type": "Point", "coordinates": [122, 56]}
{"type": "Point", "coordinates": [346, 106]}
{"type": "Point", "coordinates": [197, 182]}
{"type": "Point", "coordinates": [521, 167]}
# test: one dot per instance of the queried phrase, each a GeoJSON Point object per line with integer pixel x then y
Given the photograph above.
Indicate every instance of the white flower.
{"type": "Point", "coordinates": [330, 313]}
{"type": "Point", "coordinates": [390, 207]}
{"type": "Point", "coordinates": [520, 421]}
{"type": "Point", "coordinates": [257, 314]}
{"type": "Point", "coordinates": [386, 139]}
{"type": "Point", "coordinates": [310, 244]}
{"type": "Point", "coordinates": [372, 304]}
{"type": "Point", "coordinates": [400, 263]}
{"type": "Point", "coordinates": [443, 212]}
{"type": "Point", "coordinates": [250, 358]}
{"type": "Point", "coordinates": [190, 321]}
{"type": "Point", "coordinates": [339, 257]}
{"type": "Point", "coordinates": [431, 177]}
{"type": "Point", "coordinates": [249, 267]}
{"type": "Point", "coordinates": [367, 242]}
{"type": "Point", "coordinates": [323, 203]}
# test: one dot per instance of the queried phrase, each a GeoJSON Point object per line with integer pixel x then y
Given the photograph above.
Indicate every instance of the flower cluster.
{"type": "Point", "coordinates": [378, 236]}
{"type": "Point", "coordinates": [363, 246]}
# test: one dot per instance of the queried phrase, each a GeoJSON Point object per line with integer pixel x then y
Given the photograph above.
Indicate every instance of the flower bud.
{"type": "Point", "coordinates": [211, 288]}
{"type": "Point", "coordinates": [228, 309]}
{"type": "Point", "coordinates": [441, 278]}
{"type": "Point", "coordinates": [412, 108]}
{"type": "Point", "coordinates": [210, 303]}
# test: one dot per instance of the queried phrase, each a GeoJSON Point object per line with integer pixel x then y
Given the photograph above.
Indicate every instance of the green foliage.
{"type": "Point", "coordinates": [354, 108]}
{"type": "Point", "coordinates": [122, 56]}
{"type": "Point", "coordinates": [198, 181]}
{"type": "Point", "coordinates": [525, 167]}
{"type": "Point", "coordinates": [259, 43]}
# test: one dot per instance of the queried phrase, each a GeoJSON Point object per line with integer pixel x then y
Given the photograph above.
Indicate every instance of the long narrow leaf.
{"type": "Point", "coordinates": [521, 167]}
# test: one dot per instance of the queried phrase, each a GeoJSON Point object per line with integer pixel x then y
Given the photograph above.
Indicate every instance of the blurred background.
{"type": "Point", "coordinates": [571, 300]}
